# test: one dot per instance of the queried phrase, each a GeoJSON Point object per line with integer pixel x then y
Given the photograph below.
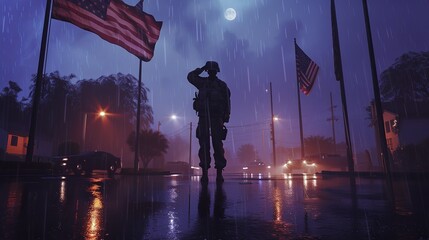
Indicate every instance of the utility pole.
{"type": "Point", "coordinates": [272, 126]}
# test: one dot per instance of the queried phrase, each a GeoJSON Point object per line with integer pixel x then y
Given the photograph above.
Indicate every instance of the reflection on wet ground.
{"type": "Point", "coordinates": [243, 207]}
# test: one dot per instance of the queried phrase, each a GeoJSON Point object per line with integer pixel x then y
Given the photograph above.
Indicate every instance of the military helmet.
{"type": "Point", "coordinates": [212, 65]}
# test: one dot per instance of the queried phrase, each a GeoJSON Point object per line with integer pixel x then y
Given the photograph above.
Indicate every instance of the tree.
{"type": "Point", "coordinates": [55, 108]}
{"type": "Point", "coordinates": [316, 145]}
{"type": "Point", "coordinates": [178, 149]}
{"type": "Point", "coordinates": [11, 112]}
{"type": "Point", "coordinates": [151, 144]}
{"type": "Point", "coordinates": [407, 80]}
{"type": "Point", "coordinates": [246, 153]}
{"type": "Point", "coordinates": [404, 85]}
{"type": "Point", "coordinates": [65, 102]}
{"type": "Point", "coordinates": [119, 93]}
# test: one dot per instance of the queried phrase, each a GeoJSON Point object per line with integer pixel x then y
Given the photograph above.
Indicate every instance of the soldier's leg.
{"type": "Point", "coordinates": [204, 142]}
{"type": "Point", "coordinates": [219, 152]}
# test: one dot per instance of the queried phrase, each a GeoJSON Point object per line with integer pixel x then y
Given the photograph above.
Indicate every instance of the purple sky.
{"type": "Point", "coordinates": [254, 49]}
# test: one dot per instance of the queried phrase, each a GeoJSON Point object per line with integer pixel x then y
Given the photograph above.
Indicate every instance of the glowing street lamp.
{"type": "Point", "coordinates": [171, 117]}
{"type": "Point", "coordinates": [101, 114]}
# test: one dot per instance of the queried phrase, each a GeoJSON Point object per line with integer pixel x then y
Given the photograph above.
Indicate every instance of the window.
{"type": "Point", "coordinates": [14, 140]}
{"type": "Point", "coordinates": [394, 125]}
{"type": "Point", "coordinates": [387, 126]}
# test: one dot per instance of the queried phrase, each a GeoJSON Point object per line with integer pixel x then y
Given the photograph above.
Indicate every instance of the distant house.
{"type": "Point", "coordinates": [391, 129]}
{"type": "Point", "coordinates": [405, 125]}
{"type": "Point", "coordinates": [16, 144]}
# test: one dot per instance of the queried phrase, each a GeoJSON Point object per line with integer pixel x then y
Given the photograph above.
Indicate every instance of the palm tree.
{"type": "Point", "coordinates": [152, 144]}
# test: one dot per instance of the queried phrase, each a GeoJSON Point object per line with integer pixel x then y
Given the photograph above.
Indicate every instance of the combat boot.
{"type": "Point", "coordinates": [219, 177]}
{"type": "Point", "coordinates": [205, 176]}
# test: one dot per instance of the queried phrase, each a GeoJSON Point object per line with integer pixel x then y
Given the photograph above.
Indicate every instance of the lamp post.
{"type": "Point", "coordinates": [172, 117]}
{"type": "Point", "coordinates": [100, 114]}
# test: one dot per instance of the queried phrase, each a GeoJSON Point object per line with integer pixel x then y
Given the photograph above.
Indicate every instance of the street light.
{"type": "Point", "coordinates": [171, 117]}
{"type": "Point", "coordinates": [276, 118]}
{"type": "Point", "coordinates": [101, 114]}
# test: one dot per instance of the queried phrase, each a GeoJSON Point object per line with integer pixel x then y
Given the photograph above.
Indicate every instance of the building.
{"type": "Point", "coordinates": [12, 143]}
{"type": "Point", "coordinates": [13, 146]}
{"type": "Point", "coordinates": [391, 129]}
{"type": "Point", "coordinates": [16, 144]}
{"type": "Point", "coordinates": [404, 124]}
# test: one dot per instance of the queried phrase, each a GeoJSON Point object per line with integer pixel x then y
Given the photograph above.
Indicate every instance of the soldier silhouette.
{"type": "Point", "coordinates": [213, 106]}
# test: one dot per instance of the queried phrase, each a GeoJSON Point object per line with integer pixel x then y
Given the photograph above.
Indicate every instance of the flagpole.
{"type": "Point", "coordinates": [378, 108]}
{"type": "Point", "coordinates": [332, 119]}
{"type": "Point", "coordinates": [38, 86]}
{"type": "Point", "coordinates": [136, 152]}
{"type": "Point", "coordinates": [301, 135]}
{"type": "Point", "coordinates": [340, 77]}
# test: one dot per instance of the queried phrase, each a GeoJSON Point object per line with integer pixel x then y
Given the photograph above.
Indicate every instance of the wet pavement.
{"type": "Point", "coordinates": [243, 207]}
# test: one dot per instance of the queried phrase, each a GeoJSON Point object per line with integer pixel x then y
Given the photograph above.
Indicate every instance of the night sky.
{"type": "Point", "coordinates": [253, 50]}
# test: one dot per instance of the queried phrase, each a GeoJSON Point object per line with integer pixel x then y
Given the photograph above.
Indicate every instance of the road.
{"type": "Point", "coordinates": [179, 207]}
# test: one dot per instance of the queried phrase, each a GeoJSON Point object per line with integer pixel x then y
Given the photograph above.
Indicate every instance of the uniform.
{"type": "Point", "coordinates": [213, 108]}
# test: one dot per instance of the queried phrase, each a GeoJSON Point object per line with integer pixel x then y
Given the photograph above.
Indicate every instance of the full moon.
{"type": "Point", "coordinates": [230, 14]}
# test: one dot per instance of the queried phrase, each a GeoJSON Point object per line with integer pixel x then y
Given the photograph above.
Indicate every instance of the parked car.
{"type": "Point", "coordinates": [331, 162]}
{"type": "Point", "coordinates": [87, 162]}
{"type": "Point", "coordinates": [299, 166]}
{"type": "Point", "coordinates": [256, 167]}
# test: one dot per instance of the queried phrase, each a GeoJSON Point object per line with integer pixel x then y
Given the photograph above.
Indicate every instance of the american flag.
{"type": "Point", "coordinates": [114, 21]}
{"type": "Point", "coordinates": [306, 70]}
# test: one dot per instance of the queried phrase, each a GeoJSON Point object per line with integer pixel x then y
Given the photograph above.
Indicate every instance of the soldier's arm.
{"type": "Point", "coordinates": [194, 78]}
